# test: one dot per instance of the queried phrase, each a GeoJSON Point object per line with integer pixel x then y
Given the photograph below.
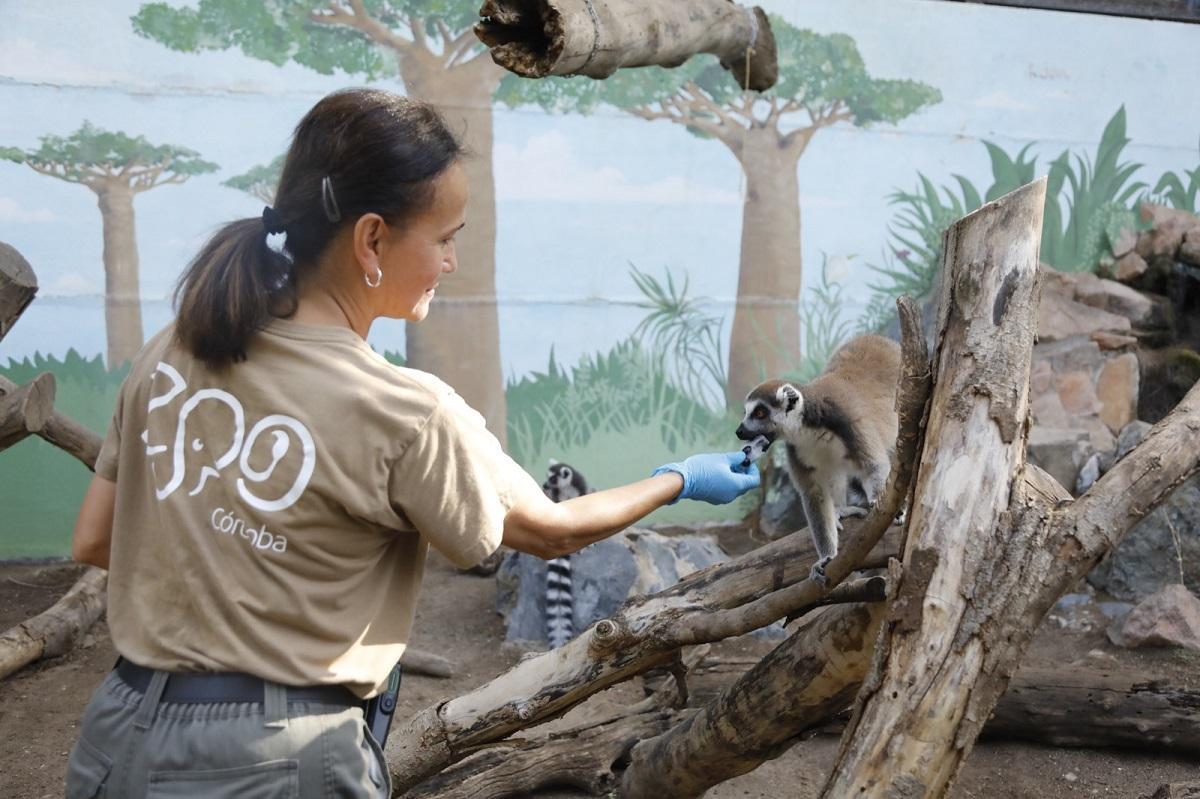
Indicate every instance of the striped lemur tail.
{"type": "Point", "coordinates": [562, 482]}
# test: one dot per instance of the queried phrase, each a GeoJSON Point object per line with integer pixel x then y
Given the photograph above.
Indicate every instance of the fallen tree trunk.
{"type": "Point", "coordinates": [993, 542]}
{"type": "Point", "coordinates": [58, 629]}
{"type": "Point", "coordinates": [64, 432]}
{"type": "Point", "coordinates": [18, 285]}
{"type": "Point", "coordinates": [537, 38]}
{"type": "Point", "coordinates": [26, 410]}
{"type": "Point", "coordinates": [1120, 709]}
{"type": "Point", "coordinates": [722, 601]}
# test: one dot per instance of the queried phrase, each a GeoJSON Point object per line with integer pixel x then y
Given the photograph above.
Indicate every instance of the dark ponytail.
{"type": "Point", "coordinates": [375, 151]}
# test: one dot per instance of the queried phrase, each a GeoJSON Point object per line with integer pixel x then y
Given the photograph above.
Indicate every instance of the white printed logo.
{"type": "Point", "coordinates": [237, 449]}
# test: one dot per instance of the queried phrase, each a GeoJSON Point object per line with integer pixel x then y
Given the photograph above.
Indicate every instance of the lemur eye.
{"type": "Point", "coordinates": [759, 413]}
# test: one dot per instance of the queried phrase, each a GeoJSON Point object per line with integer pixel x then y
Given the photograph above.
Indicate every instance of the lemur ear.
{"type": "Point", "coordinates": [554, 462]}
{"type": "Point", "coordinates": [790, 397]}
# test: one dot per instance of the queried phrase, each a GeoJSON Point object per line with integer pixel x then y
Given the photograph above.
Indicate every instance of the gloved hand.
{"type": "Point", "coordinates": [714, 477]}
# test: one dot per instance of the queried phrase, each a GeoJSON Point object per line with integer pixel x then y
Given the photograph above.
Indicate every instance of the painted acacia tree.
{"type": "Point", "coordinates": [259, 181]}
{"type": "Point", "coordinates": [430, 45]}
{"type": "Point", "coordinates": [822, 82]}
{"type": "Point", "coordinates": [117, 168]}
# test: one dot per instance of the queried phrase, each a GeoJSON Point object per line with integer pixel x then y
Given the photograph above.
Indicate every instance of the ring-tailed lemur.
{"type": "Point", "coordinates": [840, 431]}
{"type": "Point", "coordinates": [562, 482]}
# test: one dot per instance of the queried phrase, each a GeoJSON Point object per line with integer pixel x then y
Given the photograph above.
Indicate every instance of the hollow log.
{"type": "Point", "coordinates": [55, 631]}
{"type": "Point", "coordinates": [18, 285]}
{"type": "Point", "coordinates": [64, 432]}
{"type": "Point", "coordinates": [26, 410]}
{"type": "Point", "coordinates": [648, 631]}
{"type": "Point", "coordinates": [537, 38]}
{"type": "Point", "coordinates": [992, 541]}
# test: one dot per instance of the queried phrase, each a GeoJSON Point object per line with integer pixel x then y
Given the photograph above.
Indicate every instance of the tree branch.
{"type": "Point", "coordinates": [359, 19]}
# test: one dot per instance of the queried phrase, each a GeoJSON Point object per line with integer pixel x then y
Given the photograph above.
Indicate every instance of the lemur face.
{"type": "Point", "coordinates": [563, 482]}
{"type": "Point", "coordinates": [770, 408]}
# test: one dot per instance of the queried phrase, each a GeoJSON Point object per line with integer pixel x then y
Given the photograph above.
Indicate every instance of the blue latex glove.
{"type": "Point", "coordinates": [714, 477]}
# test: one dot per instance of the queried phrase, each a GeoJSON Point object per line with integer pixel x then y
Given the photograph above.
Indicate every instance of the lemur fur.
{"type": "Point", "coordinates": [840, 432]}
{"type": "Point", "coordinates": [563, 482]}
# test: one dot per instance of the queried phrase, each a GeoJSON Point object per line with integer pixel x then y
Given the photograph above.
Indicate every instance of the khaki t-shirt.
{"type": "Point", "coordinates": [274, 518]}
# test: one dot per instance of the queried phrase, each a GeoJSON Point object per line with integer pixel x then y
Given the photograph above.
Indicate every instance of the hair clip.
{"type": "Point", "coordinates": [328, 201]}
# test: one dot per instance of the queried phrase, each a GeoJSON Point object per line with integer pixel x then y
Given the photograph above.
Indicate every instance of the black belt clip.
{"type": "Point", "coordinates": [380, 708]}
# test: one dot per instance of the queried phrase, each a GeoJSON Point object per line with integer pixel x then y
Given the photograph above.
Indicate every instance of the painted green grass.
{"type": "Point", "coordinates": [40, 485]}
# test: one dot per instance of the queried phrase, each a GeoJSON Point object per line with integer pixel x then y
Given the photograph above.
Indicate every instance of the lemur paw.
{"type": "Point", "coordinates": [817, 574]}
{"type": "Point", "coordinates": [851, 510]}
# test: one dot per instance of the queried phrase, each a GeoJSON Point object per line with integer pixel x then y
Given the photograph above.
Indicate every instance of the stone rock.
{"type": "Point", "coordinates": [1061, 452]}
{"type": "Point", "coordinates": [1117, 390]}
{"type": "Point", "coordinates": [1131, 435]}
{"type": "Point", "coordinates": [1113, 341]}
{"type": "Point", "coordinates": [1189, 250]}
{"type": "Point", "coordinates": [1100, 438]}
{"type": "Point", "coordinates": [1048, 411]}
{"type": "Point", "coordinates": [603, 576]}
{"type": "Point", "coordinates": [782, 512]}
{"type": "Point", "coordinates": [1060, 317]}
{"type": "Point", "coordinates": [1129, 267]}
{"type": "Point", "coordinates": [1073, 354]}
{"type": "Point", "coordinates": [1126, 241]}
{"type": "Point", "coordinates": [1167, 229]}
{"type": "Point", "coordinates": [1168, 617]}
{"type": "Point", "coordinates": [1089, 474]}
{"type": "Point", "coordinates": [1041, 377]}
{"type": "Point", "coordinates": [1109, 295]}
{"type": "Point", "coordinates": [1147, 558]}
{"type": "Point", "coordinates": [1077, 393]}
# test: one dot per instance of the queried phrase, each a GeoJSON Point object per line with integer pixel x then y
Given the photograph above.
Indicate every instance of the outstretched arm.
{"type": "Point", "coordinates": [548, 529]}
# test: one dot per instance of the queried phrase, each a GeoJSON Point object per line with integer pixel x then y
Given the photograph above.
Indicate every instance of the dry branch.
{"type": "Point", "coordinates": [993, 542]}
{"type": "Point", "coordinates": [537, 38]}
{"type": "Point", "coordinates": [18, 285]}
{"type": "Point", "coordinates": [418, 661]}
{"type": "Point", "coordinates": [64, 432]}
{"type": "Point", "coordinates": [57, 630]}
{"type": "Point", "coordinates": [26, 410]}
{"type": "Point", "coordinates": [649, 631]}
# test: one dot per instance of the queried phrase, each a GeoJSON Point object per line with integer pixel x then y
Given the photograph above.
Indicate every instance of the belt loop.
{"type": "Point", "coordinates": [275, 705]}
{"type": "Point", "coordinates": [150, 700]}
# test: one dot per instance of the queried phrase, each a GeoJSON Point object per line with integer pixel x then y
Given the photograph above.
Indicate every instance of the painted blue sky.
{"type": "Point", "coordinates": [579, 198]}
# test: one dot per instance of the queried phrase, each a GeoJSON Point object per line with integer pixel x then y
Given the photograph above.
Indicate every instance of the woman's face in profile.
{"type": "Point", "coordinates": [418, 255]}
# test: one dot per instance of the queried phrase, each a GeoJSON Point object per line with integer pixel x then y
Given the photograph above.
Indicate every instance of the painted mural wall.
{"type": "Point", "coordinates": [639, 251]}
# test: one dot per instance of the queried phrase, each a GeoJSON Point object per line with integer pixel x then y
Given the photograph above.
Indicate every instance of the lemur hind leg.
{"type": "Point", "coordinates": [822, 524]}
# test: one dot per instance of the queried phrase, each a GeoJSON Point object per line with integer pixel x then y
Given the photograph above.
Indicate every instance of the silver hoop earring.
{"type": "Point", "coordinates": [378, 278]}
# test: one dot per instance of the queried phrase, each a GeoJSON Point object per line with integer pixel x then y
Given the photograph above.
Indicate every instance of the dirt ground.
{"type": "Point", "coordinates": [40, 706]}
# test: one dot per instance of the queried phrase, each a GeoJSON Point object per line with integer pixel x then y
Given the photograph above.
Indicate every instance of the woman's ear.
{"type": "Point", "coordinates": [369, 231]}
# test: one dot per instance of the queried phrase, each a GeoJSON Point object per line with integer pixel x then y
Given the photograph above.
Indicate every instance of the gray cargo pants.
{"type": "Point", "coordinates": [132, 745]}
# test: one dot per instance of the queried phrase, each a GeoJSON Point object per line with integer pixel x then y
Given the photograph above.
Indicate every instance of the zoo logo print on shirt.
{"type": "Point", "coordinates": [239, 449]}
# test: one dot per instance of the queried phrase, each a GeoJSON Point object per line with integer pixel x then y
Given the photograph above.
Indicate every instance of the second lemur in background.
{"type": "Point", "coordinates": [563, 482]}
{"type": "Point", "coordinates": [840, 431]}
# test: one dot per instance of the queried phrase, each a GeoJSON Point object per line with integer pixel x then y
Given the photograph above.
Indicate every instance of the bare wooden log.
{"type": "Point", "coordinates": [18, 285]}
{"type": "Point", "coordinates": [64, 432]}
{"type": "Point", "coordinates": [418, 661]}
{"type": "Point", "coordinates": [993, 541]}
{"type": "Point", "coordinates": [26, 410]}
{"type": "Point", "coordinates": [55, 631]}
{"type": "Point", "coordinates": [799, 685]}
{"type": "Point", "coordinates": [537, 38]}
{"type": "Point", "coordinates": [648, 632]}
{"type": "Point", "coordinates": [1130, 711]}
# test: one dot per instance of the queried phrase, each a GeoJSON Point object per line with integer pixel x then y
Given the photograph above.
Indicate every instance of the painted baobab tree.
{"type": "Point", "coordinates": [823, 81]}
{"type": "Point", "coordinates": [117, 167]}
{"type": "Point", "coordinates": [431, 47]}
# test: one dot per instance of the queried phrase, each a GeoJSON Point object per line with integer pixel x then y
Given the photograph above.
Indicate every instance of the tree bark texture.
{"type": "Point", "coordinates": [122, 292]}
{"type": "Point", "coordinates": [55, 631]}
{"type": "Point", "coordinates": [26, 410]}
{"type": "Point", "coordinates": [648, 631]}
{"type": "Point", "coordinates": [765, 338]}
{"type": "Point", "coordinates": [992, 542]}
{"type": "Point", "coordinates": [597, 37]}
{"type": "Point", "coordinates": [18, 285]}
{"type": "Point", "coordinates": [459, 341]}
{"type": "Point", "coordinates": [807, 679]}
{"type": "Point", "coordinates": [64, 432]}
